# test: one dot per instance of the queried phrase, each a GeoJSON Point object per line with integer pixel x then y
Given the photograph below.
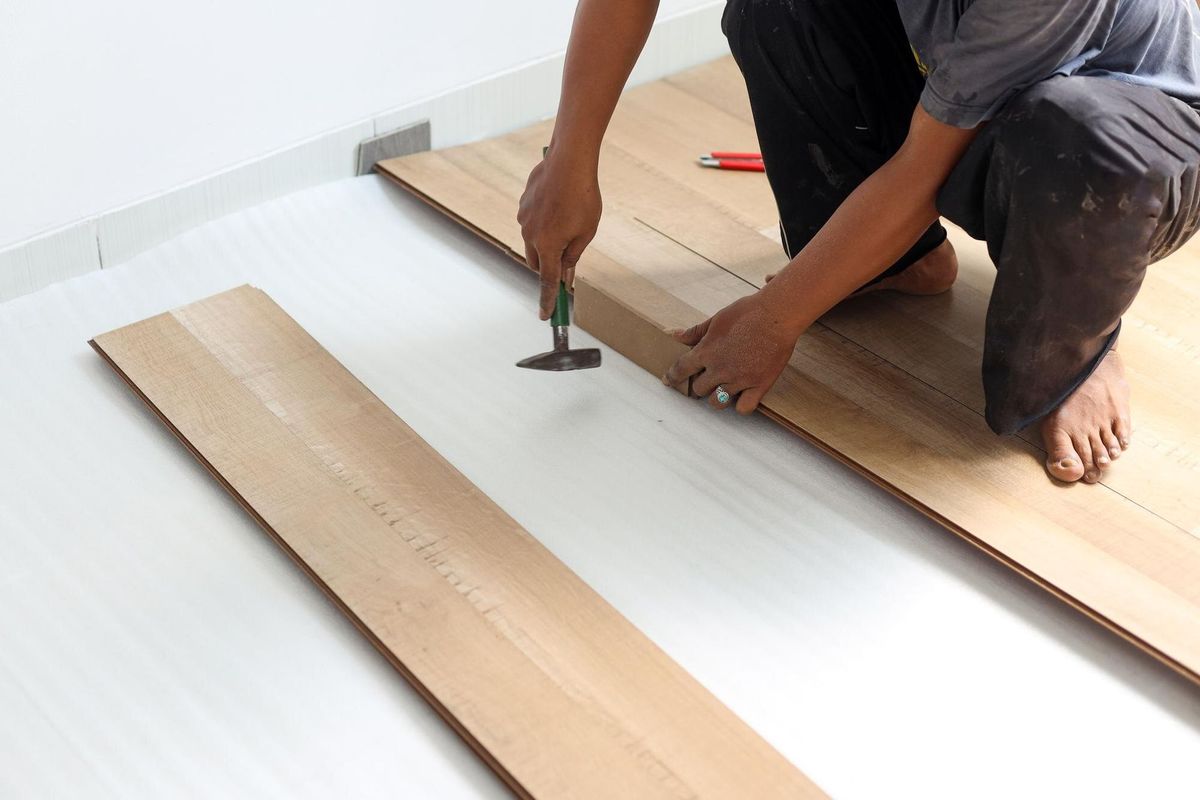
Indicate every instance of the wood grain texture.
{"type": "Point", "coordinates": [559, 693]}
{"type": "Point", "coordinates": [886, 383]}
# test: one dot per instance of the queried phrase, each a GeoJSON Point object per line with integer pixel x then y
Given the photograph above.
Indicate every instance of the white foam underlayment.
{"type": "Point", "coordinates": [156, 643]}
{"type": "Point", "coordinates": [488, 107]}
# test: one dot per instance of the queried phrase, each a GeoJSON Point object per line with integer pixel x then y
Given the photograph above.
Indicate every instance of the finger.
{"type": "Point", "coordinates": [714, 399]}
{"type": "Point", "coordinates": [684, 367]}
{"type": "Point", "coordinates": [749, 399]}
{"type": "Point", "coordinates": [550, 262]}
{"type": "Point", "coordinates": [531, 258]}
{"type": "Point", "coordinates": [705, 384]}
{"type": "Point", "coordinates": [692, 336]}
{"type": "Point", "coordinates": [570, 260]}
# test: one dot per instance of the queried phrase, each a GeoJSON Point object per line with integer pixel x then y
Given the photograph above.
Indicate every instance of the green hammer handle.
{"type": "Point", "coordinates": [561, 317]}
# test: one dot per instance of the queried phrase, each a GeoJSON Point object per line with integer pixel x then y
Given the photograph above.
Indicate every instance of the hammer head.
{"type": "Point", "coordinates": [562, 357]}
{"type": "Point", "coordinates": [563, 360]}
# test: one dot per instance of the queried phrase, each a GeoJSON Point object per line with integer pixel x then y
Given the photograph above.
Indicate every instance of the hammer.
{"type": "Point", "coordinates": [562, 357]}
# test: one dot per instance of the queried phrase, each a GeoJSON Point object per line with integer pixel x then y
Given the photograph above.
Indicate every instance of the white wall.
{"type": "Point", "coordinates": [105, 103]}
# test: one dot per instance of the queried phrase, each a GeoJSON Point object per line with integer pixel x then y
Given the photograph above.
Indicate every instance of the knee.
{"type": "Point", "coordinates": [1064, 153]}
{"type": "Point", "coordinates": [1074, 125]}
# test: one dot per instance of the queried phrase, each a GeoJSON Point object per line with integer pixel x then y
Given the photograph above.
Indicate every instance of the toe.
{"type": "Point", "coordinates": [1083, 446]}
{"type": "Point", "coordinates": [1124, 431]}
{"type": "Point", "coordinates": [1099, 452]}
{"type": "Point", "coordinates": [1110, 443]}
{"type": "Point", "coordinates": [1062, 461]}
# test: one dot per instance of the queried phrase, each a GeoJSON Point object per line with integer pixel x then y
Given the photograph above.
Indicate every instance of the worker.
{"type": "Point", "coordinates": [1064, 133]}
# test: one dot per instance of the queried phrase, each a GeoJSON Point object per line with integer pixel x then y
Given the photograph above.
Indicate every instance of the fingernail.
{"type": "Point", "coordinates": [665, 381]}
{"type": "Point", "coordinates": [674, 331]}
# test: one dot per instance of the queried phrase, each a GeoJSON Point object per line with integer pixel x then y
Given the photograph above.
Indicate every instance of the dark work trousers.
{"type": "Point", "coordinates": [1077, 185]}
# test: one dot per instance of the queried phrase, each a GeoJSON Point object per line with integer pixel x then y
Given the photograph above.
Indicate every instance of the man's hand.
{"type": "Point", "coordinates": [559, 213]}
{"type": "Point", "coordinates": [746, 345]}
{"type": "Point", "coordinates": [743, 348]}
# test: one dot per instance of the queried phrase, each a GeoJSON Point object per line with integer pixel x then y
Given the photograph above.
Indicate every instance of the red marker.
{"type": "Point", "coordinates": [746, 162]}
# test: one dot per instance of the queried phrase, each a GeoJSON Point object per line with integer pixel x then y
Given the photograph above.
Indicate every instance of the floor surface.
{"type": "Point", "coordinates": [157, 643]}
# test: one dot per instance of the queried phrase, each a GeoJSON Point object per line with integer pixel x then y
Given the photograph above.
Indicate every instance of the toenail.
{"type": "Point", "coordinates": [1067, 463]}
{"type": "Point", "coordinates": [1116, 451]}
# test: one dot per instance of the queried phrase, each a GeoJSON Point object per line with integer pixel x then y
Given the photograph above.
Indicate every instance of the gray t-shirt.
{"type": "Point", "coordinates": [977, 54]}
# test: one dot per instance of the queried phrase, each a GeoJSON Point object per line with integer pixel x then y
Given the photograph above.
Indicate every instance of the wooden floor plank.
{"type": "Point", "coordinates": [667, 129]}
{"type": "Point", "coordinates": [717, 85]}
{"type": "Point", "coordinates": [558, 692]}
{"type": "Point", "coordinates": [890, 384]}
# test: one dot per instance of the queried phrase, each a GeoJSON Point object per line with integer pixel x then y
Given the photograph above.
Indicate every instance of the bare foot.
{"type": "Point", "coordinates": [1091, 428]}
{"type": "Point", "coordinates": [933, 274]}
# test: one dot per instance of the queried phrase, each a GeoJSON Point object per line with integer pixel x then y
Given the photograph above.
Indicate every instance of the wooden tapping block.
{"type": "Point", "coordinates": [887, 383]}
{"type": "Point", "coordinates": [554, 689]}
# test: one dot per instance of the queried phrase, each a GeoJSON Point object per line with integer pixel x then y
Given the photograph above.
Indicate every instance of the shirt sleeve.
{"type": "Point", "coordinates": [1003, 46]}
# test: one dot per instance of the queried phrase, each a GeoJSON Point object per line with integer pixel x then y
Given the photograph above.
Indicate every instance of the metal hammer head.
{"type": "Point", "coordinates": [562, 357]}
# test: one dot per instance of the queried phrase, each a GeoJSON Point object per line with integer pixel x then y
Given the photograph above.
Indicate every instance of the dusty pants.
{"type": "Point", "coordinates": [1077, 186]}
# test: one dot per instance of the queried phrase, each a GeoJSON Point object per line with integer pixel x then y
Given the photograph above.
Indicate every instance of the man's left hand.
{"type": "Point", "coordinates": [743, 349]}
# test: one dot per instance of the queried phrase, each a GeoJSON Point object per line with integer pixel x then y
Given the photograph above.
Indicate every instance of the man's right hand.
{"type": "Point", "coordinates": [559, 213]}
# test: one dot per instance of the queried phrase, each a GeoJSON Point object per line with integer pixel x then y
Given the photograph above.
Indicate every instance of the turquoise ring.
{"type": "Point", "coordinates": [722, 395]}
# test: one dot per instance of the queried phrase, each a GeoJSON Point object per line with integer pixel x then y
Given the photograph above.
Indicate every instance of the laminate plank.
{"type": "Point", "coordinates": [559, 693]}
{"type": "Point", "coordinates": [483, 209]}
{"type": "Point", "coordinates": [716, 84]}
{"type": "Point", "coordinates": [667, 129]}
{"type": "Point", "coordinates": [887, 383]}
